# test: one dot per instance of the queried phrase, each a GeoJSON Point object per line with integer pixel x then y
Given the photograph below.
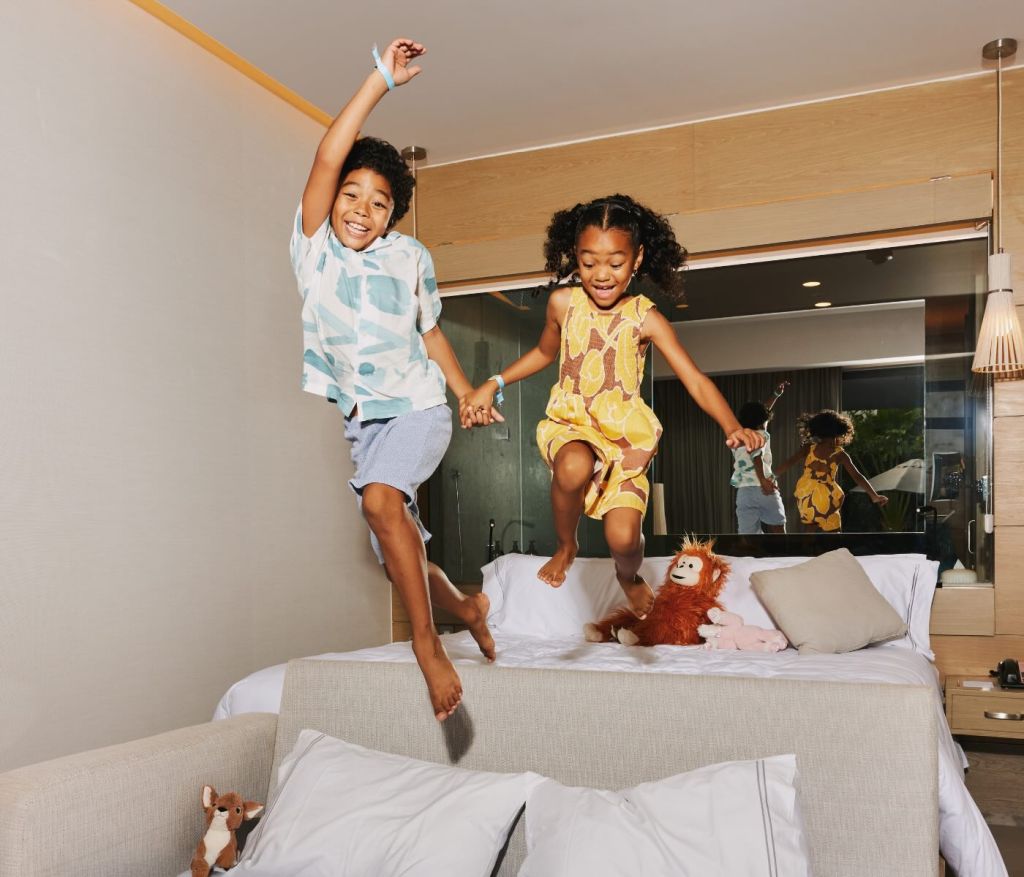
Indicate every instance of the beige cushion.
{"type": "Point", "coordinates": [827, 604]}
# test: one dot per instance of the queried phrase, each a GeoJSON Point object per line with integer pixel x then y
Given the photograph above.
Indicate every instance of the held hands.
{"type": "Point", "coordinates": [477, 408]}
{"type": "Point", "coordinates": [769, 486]}
{"type": "Point", "coordinates": [397, 56]}
{"type": "Point", "coordinates": [751, 439]}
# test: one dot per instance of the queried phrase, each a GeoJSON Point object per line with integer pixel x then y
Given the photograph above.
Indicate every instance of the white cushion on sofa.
{"type": "Point", "coordinates": [726, 820]}
{"type": "Point", "coordinates": [344, 809]}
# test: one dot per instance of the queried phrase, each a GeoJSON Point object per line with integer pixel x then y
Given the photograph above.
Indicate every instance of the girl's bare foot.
{"type": "Point", "coordinates": [639, 594]}
{"type": "Point", "coordinates": [473, 612]}
{"type": "Point", "coordinates": [443, 683]}
{"type": "Point", "coordinates": [553, 572]}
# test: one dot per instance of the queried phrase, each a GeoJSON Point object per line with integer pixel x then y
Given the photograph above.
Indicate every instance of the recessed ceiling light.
{"type": "Point", "coordinates": [811, 283]}
{"type": "Point", "coordinates": [823, 304]}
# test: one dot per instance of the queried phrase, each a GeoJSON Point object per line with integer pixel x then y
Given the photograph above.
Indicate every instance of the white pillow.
{"type": "Point", "coordinates": [522, 604]}
{"type": "Point", "coordinates": [344, 809]}
{"type": "Point", "coordinates": [725, 820]}
{"type": "Point", "coordinates": [907, 581]}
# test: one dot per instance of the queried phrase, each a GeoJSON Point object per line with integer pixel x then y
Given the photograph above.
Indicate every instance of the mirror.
{"type": "Point", "coordinates": [891, 350]}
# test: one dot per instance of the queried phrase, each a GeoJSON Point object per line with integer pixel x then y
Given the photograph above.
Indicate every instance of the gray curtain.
{"type": "Point", "coordinates": [695, 465]}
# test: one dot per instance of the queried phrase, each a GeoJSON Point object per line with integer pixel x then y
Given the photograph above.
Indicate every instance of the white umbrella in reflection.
{"type": "Point", "coordinates": [907, 476]}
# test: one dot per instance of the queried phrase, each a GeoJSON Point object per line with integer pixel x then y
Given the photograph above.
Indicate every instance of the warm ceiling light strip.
{"type": "Point", "coordinates": [203, 39]}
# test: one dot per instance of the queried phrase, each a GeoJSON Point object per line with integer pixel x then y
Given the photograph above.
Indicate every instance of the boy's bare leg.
{"type": "Point", "coordinates": [626, 542]}
{"type": "Point", "coordinates": [405, 560]}
{"type": "Point", "coordinates": [572, 471]}
{"type": "Point", "coordinates": [470, 609]}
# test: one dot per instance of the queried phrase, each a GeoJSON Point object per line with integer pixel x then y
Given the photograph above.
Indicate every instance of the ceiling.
{"type": "Point", "coordinates": [506, 76]}
{"type": "Point", "coordinates": [858, 278]}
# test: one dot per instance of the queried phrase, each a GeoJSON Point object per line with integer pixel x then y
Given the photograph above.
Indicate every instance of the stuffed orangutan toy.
{"type": "Point", "coordinates": [691, 587]}
{"type": "Point", "coordinates": [224, 814]}
{"type": "Point", "coordinates": [727, 631]}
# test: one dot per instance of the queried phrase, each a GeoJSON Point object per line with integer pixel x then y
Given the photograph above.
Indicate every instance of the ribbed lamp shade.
{"type": "Point", "coordinates": [1000, 348]}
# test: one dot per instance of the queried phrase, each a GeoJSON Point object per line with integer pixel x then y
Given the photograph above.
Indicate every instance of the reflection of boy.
{"type": "Point", "coordinates": [759, 506]}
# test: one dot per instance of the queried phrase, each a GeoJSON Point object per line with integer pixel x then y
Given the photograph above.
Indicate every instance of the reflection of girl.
{"type": "Point", "coordinates": [599, 436]}
{"type": "Point", "coordinates": [819, 498]}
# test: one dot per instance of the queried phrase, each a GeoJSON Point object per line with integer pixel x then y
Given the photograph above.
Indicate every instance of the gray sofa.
{"type": "Point", "coordinates": [866, 754]}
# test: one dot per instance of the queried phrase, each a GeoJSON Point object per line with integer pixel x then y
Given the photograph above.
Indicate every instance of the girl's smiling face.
{"type": "Point", "coordinates": [363, 208]}
{"type": "Point", "coordinates": [606, 260]}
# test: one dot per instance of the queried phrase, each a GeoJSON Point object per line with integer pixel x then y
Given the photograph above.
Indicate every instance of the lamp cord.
{"type": "Point", "coordinates": [999, 155]}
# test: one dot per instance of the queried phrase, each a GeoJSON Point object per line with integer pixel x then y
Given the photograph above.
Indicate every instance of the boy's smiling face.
{"type": "Point", "coordinates": [363, 208]}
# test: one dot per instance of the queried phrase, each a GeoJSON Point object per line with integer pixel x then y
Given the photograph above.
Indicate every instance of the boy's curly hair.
{"type": "Point", "coordinates": [827, 424]}
{"type": "Point", "coordinates": [753, 415]}
{"type": "Point", "coordinates": [663, 255]}
{"type": "Point", "coordinates": [382, 158]}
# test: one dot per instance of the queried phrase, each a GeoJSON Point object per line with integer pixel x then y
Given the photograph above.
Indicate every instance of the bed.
{"type": "Point", "coordinates": [540, 627]}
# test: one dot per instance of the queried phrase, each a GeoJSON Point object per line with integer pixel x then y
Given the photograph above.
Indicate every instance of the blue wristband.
{"type": "Point", "coordinates": [499, 397]}
{"type": "Point", "coordinates": [388, 78]}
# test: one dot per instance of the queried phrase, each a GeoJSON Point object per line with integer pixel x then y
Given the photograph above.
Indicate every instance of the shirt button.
{"type": "Point", "coordinates": [366, 368]}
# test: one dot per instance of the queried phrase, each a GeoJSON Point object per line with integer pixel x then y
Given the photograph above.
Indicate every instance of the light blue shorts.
{"type": "Point", "coordinates": [753, 509]}
{"type": "Point", "coordinates": [402, 452]}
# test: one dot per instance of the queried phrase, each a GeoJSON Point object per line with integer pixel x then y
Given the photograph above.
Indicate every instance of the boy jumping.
{"type": "Point", "coordinates": [373, 345]}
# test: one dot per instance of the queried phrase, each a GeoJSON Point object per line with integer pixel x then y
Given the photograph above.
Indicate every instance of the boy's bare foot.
{"type": "Point", "coordinates": [474, 614]}
{"type": "Point", "coordinates": [639, 594]}
{"type": "Point", "coordinates": [553, 572]}
{"type": "Point", "coordinates": [443, 683]}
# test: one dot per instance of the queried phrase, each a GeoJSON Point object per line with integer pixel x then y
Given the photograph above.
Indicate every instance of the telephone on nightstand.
{"type": "Point", "coordinates": [1008, 674]}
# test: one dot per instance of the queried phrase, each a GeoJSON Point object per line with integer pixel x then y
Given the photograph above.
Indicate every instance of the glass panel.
{"type": "Point", "coordinates": [892, 351]}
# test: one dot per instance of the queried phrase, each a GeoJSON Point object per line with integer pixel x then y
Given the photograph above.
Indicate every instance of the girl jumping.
{"type": "Point", "coordinates": [824, 438]}
{"type": "Point", "coordinates": [599, 436]}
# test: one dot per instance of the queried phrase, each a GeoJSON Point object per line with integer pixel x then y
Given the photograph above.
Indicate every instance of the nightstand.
{"type": "Point", "coordinates": [978, 713]}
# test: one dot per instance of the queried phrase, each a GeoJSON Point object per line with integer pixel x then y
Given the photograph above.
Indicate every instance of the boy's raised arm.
{"type": "Point", "coordinates": [322, 185]}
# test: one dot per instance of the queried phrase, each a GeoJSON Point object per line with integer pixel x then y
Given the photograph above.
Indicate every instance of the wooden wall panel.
{"type": "Point", "coordinates": [963, 612]}
{"type": "Point", "coordinates": [1013, 133]}
{"type": "Point", "coordinates": [1010, 575]}
{"type": "Point", "coordinates": [974, 655]}
{"type": "Point", "coordinates": [515, 195]}
{"type": "Point", "coordinates": [827, 216]}
{"type": "Point", "coordinates": [900, 136]}
{"type": "Point", "coordinates": [1009, 472]}
{"type": "Point", "coordinates": [1010, 394]}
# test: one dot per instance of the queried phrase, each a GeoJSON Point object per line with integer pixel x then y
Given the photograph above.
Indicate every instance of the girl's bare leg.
{"type": "Point", "coordinates": [405, 560]}
{"type": "Point", "coordinates": [572, 471]}
{"type": "Point", "coordinates": [470, 609]}
{"type": "Point", "coordinates": [626, 542]}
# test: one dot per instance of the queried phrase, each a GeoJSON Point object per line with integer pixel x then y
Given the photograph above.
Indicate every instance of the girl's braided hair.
{"type": "Point", "coordinates": [663, 254]}
{"type": "Point", "coordinates": [825, 425]}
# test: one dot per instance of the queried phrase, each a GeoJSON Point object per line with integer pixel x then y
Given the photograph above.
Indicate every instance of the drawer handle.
{"type": "Point", "coordinates": [1005, 717]}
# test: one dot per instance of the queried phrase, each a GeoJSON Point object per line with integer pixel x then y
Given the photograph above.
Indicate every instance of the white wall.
{"type": "Point", "coordinates": [866, 335]}
{"type": "Point", "coordinates": [173, 509]}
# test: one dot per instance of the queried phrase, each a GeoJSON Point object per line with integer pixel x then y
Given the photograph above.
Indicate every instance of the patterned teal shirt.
{"type": "Point", "coordinates": [743, 473]}
{"type": "Point", "coordinates": [363, 315]}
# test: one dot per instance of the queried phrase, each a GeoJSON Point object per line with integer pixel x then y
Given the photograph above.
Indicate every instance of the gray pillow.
{"type": "Point", "coordinates": [827, 604]}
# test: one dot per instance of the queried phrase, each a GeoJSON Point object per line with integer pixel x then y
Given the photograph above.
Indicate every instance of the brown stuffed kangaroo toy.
{"type": "Point", "coordinates": [224, 814]}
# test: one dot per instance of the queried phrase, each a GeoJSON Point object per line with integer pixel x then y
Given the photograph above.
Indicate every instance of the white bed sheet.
{"type": "Point", "coordinates": [965, 839]}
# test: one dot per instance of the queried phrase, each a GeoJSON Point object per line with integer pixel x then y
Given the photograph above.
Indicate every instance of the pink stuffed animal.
{"type": "Point", "coordinates": [727, 631]}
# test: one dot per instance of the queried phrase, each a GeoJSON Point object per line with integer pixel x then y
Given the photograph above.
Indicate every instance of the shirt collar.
{"type": "Point", "coordinates": [384, 241]}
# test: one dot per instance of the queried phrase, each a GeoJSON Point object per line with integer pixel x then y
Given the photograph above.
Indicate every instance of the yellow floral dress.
{"type": "Point", "coordinates": [597, 401]}
{"type": "Point", "coordinates": [819, 498]}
